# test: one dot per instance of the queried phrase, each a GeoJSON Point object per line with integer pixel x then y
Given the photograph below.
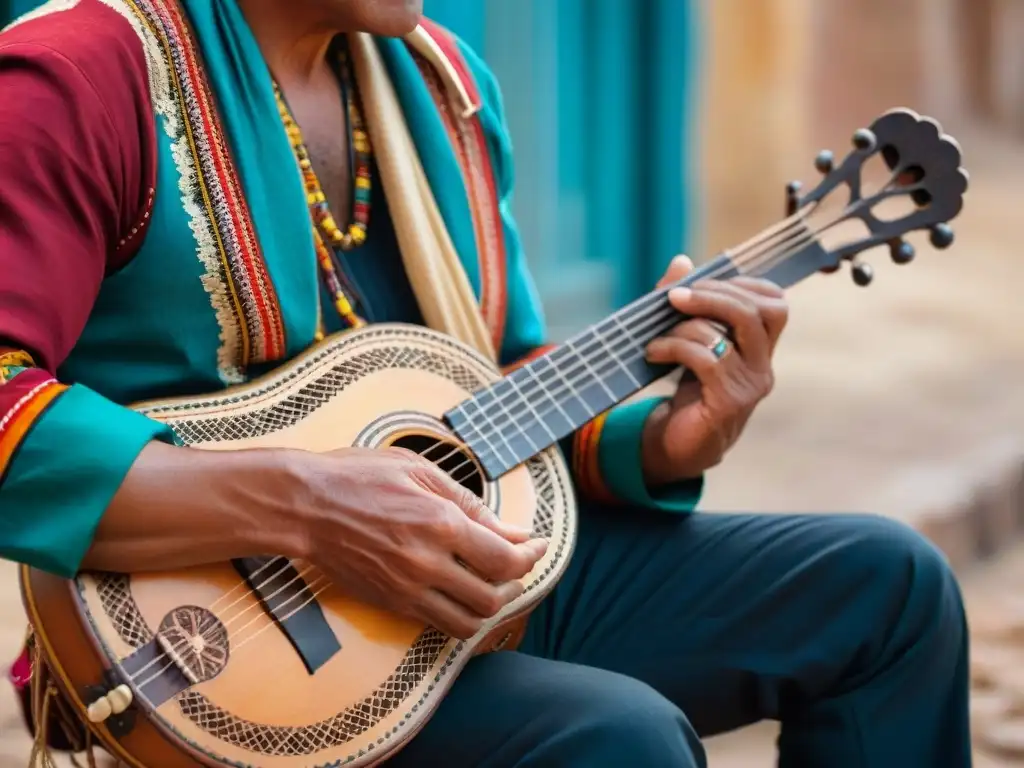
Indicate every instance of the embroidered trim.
{"type": "Point", "coordinates": [242, 296]}
{"type": "Point", "coordinates": [467, 139]}
{"type": "Point", "coordinates": [586, 465]}
{"type": "Point", "coordinates": [18, 421]}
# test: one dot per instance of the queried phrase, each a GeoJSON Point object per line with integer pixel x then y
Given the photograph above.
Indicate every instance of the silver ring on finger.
{"type": "Point", "coordinates": [720, 347]}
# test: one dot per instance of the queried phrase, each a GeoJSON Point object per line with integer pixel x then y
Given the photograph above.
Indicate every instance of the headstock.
{"type": "Point", "coordinates": [923, 171]}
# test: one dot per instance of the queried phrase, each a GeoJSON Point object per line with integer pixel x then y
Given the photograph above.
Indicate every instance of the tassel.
{"type": "Point", "coordinates": [40, 757]}
{"type": "Point", "coordinates": [90, 755]}
{"type": "Point", "coordinates": [48, 706]}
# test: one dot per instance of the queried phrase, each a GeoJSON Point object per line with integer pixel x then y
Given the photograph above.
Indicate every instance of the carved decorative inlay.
{"type": "Point", "coordinates": [196, 641]}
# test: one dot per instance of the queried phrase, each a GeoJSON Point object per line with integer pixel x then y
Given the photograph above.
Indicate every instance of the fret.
{"type": "Point", "coordinates": [624, 366]}
{"type": "Point", "coordinates": [582, 347]}
{"type": "Point", "coordinates": [567, 393]}
{"type": "Point", "coordinates": [500, 409]}
{"type": "Point", "coordinates": [531, 405]}
{"type": "Point", "coordinates": [560, 410]}
{"type": "Point", "coordinates": [487, 437]}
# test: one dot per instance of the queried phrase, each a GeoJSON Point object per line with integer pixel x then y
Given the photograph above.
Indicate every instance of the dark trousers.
{"type": "Point", "coordinates": [848, 629]}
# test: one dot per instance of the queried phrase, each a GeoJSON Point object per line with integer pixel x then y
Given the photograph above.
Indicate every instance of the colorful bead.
{"type": "Point", "coordinates": [324, 225]}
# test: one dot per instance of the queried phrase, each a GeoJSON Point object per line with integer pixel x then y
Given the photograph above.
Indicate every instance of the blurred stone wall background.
{"type": "Point", "coordinates": [906, 398]}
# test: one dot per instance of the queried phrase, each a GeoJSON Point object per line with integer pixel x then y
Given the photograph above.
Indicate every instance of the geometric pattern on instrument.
{"type": "Point", "coordinates": [309, 398]}
{"type": "Point", "coordinates": [115, 595]}
{"type": "Point", "coordinates": [333, 731]}
{"type": "Point", "coordinates": [114, 590]}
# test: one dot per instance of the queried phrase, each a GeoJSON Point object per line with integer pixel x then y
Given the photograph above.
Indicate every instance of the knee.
{"type": "Point", "coordinates": [903, 570]}
{"type": "Point", "coordinates": [617, 720]}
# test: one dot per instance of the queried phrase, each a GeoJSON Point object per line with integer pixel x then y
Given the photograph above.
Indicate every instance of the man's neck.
{"type": "Point", "coordinates": [294, 44]}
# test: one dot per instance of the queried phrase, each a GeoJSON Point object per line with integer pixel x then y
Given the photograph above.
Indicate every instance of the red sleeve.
{"type": "Point", "coordinates": [77, 163]}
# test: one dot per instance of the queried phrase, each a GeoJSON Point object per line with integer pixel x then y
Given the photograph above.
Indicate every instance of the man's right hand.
{"type": "Point", "coordinates": [394, 530]}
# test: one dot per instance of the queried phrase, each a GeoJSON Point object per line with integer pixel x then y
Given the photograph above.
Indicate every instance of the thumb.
{"type": "Point", "coordinates": [679, 268]}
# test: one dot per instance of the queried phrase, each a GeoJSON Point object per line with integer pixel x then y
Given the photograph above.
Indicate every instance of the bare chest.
{"type": "Point", "coordinates": [321, 118]}
{"type": "Point", "coordinates": [330, 156]}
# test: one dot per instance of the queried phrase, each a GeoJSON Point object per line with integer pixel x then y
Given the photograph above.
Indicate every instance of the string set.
{"type": "Point", "coordinates": [313, 589]}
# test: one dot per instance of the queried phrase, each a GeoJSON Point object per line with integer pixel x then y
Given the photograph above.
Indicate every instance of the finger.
{"type": "Point", "coordinates": [494, 558]}
{"type": "Point", "coordinates": [738, 311]}
{"type": "Point", "coordinates": [678, 268]}
{"type": "Point", "coordinates": [688, 353]}
{"type": "Point", "coordinates": [706, 332]}
{"type": "Point", "coordinates": [757, 285]}
{"type": "Point", "coordinates": [703, 333]}
{"type": "Point", "coordinates": [445, 614]}
{"type": "Point", "coordinates": [482, 598]}
{"type": "Point", "coordinates": [771, 301]}
{"type": "Point", "coordinates": [442, 484]}
{"type": "Point", "coordinates": [476, 510]}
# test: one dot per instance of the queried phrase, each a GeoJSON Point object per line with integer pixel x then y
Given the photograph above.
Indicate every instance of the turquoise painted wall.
{"type": "Point", "coordinates": [598, 99]}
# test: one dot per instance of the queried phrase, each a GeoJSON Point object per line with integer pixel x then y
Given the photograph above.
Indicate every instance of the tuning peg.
{"type": "Point", "coordinates": [824, 162]}
{"type": "Point", "coordinates": [120, 699]}
{"type": "Point", "coordinates": [862, 273]}
{"type": "Point", "coordinates": [99, 710]}
{"type": "Point", "coordinates": [942, 236]}
{"type": "Point", "coordinates": [864, 140]}
{"type": "Point", "coordinates": [901, 251]}
{"type": "Point", "coordinates": [793, 197]}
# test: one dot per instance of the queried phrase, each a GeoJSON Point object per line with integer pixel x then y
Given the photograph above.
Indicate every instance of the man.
{"type": "Point", "coordinates": [156, 240]}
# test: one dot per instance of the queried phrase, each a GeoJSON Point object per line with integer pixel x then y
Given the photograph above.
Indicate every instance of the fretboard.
{"type": "Point", "coordinates": [557, 393]}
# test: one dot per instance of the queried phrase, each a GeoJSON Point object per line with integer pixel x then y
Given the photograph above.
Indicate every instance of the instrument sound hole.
{"type": "Point", "coordinates": [453, 459]}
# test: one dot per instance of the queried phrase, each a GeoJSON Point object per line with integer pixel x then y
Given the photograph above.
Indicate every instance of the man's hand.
{"type": "Point", "coordinates": [728, 347]}
{"type": "Point", "coordinates": [391, 528]}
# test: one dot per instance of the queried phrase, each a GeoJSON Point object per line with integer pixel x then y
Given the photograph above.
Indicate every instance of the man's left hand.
{"type": "Point", "coordinates": [728, 345]}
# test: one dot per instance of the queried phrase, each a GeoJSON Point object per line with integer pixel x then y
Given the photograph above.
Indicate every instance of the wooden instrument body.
{"type": "Point", "coordinates": [256, 702]}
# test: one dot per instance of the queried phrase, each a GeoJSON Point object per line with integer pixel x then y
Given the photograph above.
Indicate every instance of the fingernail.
{"type": "Point", "coordinates": [682, 261]}
{"type": "Point", "coordinates": [679, 294]}
{"type": "Point", "coordinates": [652, 351]}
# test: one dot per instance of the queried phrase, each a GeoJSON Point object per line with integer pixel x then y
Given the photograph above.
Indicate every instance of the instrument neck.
{"type": "Point", "coordinates": [555, 394]}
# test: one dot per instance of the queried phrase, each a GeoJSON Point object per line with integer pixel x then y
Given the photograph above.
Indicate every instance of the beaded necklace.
{"type": "Point", "coordinates": [327, 235]}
